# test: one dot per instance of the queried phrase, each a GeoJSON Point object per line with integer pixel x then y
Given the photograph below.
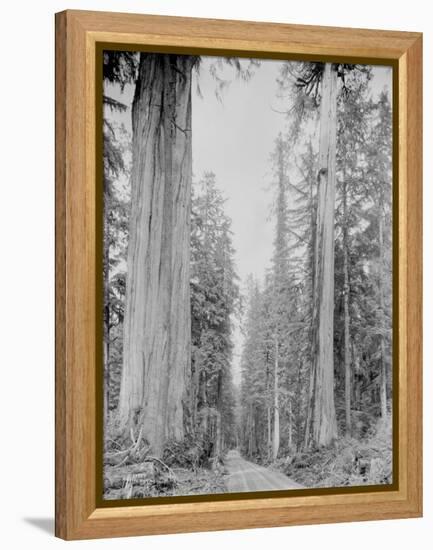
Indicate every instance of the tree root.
{"type": "Point", "coordinates": [130, 451]}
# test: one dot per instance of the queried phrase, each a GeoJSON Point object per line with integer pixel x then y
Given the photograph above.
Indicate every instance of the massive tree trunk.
{"type": "Point", "coordinates": [346, 291]}
{"type": "Point", "coordinates": [324, 423]}
{"type": "Point", "coordinates": [157, 328]}
{"type": "Point", "coordinates": [276, 439]}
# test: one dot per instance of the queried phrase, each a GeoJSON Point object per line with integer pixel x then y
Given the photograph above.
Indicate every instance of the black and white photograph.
{"type": "Point", "coordinates": [247, 275]}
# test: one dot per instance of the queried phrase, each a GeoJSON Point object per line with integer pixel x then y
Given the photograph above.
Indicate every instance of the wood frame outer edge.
{"type": "Point", "coordinates": [60, 275]}
{"type": "Point", "coordinates": [85, 523]}
{"type": "Point", "coordinates": [92, 21]}
{"type": "Point", "coordinates": [414, 273]}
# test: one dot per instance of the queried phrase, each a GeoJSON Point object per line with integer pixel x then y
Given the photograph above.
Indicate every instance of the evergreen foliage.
{"type": "Point", "coordinates": [267, 417]}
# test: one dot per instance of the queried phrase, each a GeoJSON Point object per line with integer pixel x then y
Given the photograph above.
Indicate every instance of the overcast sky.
{"type": "Point", "coordinates": [233, 137]}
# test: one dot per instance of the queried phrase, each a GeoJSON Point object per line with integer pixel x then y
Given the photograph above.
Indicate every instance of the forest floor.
{"type": "Point", "coordinates": [153, 480]}
{"type": "Point", "coordinates": [130, 471]}
{"type": "Point", "coordinates": [349, 462]}
{"type": "Point", "coordinates": [133, 473]}
{"type": "Point", "coordinates": [124, 483]}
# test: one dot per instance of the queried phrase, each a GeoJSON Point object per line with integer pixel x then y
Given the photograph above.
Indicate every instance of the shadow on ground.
{"type": "Point", "coordinates": [44, 524]}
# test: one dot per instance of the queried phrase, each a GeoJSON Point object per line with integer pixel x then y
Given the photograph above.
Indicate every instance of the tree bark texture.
{"type": "Point", "coordinates": [324, 423]}
{"type": "Point", "coordinates": [157, 326]}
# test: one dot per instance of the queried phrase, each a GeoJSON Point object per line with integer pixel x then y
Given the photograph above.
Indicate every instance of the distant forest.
{"type": "Point", "coordinates": [315, 397]}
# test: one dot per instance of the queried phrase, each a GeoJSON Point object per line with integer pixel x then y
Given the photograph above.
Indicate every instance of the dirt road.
{"type": "Point", "coordinates": [245, 476]}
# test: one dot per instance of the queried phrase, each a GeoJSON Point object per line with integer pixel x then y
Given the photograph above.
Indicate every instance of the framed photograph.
{"type": "Point", "coordinates": [238, 274]}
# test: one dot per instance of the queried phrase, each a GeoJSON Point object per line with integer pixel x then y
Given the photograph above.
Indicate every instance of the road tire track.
{"type": "Point", "coordinates": [244, 476]}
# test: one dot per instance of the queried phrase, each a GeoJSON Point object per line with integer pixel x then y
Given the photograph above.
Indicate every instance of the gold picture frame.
{"type": "Point", "coordinates": [80, 37]}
